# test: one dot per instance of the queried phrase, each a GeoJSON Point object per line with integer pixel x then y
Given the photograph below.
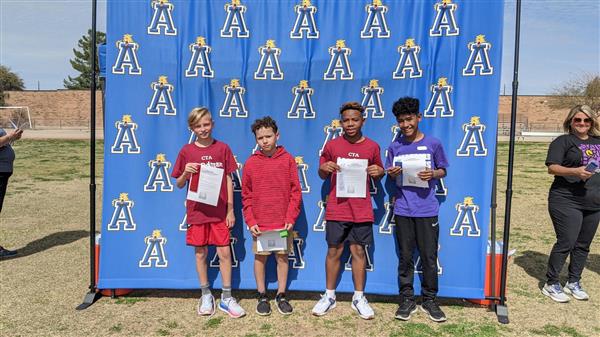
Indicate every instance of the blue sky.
{"type": "Point", "coordinates": [559, 40]}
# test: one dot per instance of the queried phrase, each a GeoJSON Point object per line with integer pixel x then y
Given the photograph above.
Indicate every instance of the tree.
{"type": "Point", "coordinates": [583, 89]}
{"type": "Point", "coordinates": [82, 62]}
{"type": "Point", "coordinates": [9, 80]}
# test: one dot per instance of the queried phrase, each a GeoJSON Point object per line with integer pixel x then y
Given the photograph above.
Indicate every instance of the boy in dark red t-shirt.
{"type": "Point", "coordinates": [209, 225]}
{"type": "Point", "coordinates": [349, 218]}
{"type": "Point", "coordinates": [271, 196]}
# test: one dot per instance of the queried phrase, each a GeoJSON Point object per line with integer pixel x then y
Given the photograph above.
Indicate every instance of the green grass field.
{"type": "Point", "coordinates": [46, 218]}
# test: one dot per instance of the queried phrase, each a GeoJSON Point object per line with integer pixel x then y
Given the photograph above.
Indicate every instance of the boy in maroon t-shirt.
{"type": "Point", "coordinates": [348, 219]}
{"type": "Point", "coordinates": [209, 225]}
{"type": "Point", "coordinates": [271, 196]}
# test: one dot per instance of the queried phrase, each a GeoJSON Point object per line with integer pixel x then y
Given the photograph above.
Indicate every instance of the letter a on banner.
{"type": "Point", "coordinates": [162, 18]}
{"type": "Point", "coordinates": [122, 214]}
{"type": "Point", "coordinates": [235, 23]}
{"type": "Point", "coordinates": [305, 21]}
{"type": "Point", "coordinates": [445, 19]}
{"type": "Point", "coordinates": [162, 99]}
{"type": "Point", "coordinates": [295, 255]}
{"type": "Point", "coordinates": [127, 57]}
{"type": "Point", "coordinates": [440, 188]}
{"type": "Point", "coordinates": [155, 251]}
{"type": "Point", "coordinates": [466, 219]}
{"type": "Point", "coordinates": [234, 100]}
{"type": "Point", "coordinates": [183, 225]}
{"type": "Point", "coordinates": [302, 168]}
{"type": "Point", "coordinates": [419, 264]}
{"type": "Point", "coordinates": [409, 61]}
{"type": "Point", "coordinates": [236, 176]}
{"type": "Point", "coordinates": [369, 264]}
{"type": "Point", "coordinates": [375, 25]}
{"type": "Point", "coordinates": [440, 100]}
{"type": "Point", "coordinates": [302, 103]}
{"type": "Point", "coordinates": [214, 262]}
{"type": "Point", "coordinates": [200, 59]}
{"type": "Point", "coordinates": [338, 63]}
{"type": "Point", "coordinates": [159, 180]}
{"type": "Point", "coordinates": [473, 139]}
{"type": "Point", "coordinates": [331, 132]}
{"type": "Point", "coordinates": [479, 58]}
{"type": "Point", "coordinates": [268, 67]}
{"type": "Point", "coordinates": [125, 138]}
{"type": "Point", "coordinates": [319, 225]}
{"type": "Point", "coordinates": [387, 221]}
{"type": "Point", "coordinates": [372, 100]}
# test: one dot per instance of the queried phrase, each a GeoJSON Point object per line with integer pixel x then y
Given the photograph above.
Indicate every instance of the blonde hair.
{"type": "Point", "coordinates": [594, 128]}
{"type": "Point", "coordinates": [196, 114]}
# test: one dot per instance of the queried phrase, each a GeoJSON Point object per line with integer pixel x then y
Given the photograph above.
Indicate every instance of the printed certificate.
{"type": "Point", "coordinates": [205, 185]}
{"type": "Point", "coordinates": [352, 178]}
{"type": "Point", "coordinates": [411, 165]}
{"type": "Point", "coordinates": [270, 241]}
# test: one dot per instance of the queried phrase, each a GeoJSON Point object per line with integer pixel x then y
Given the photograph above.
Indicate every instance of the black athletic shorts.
{"type": "Point", "coordinates": [337, 232]}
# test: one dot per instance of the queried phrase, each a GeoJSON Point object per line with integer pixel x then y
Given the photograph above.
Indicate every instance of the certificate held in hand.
{"type": "Point", "coordinates": [271, 241]}
{"type": "Point", "coordinates": [205, 186]}
{"type": "Point", "coordinates": [411, 165]}
{"type": "Point", "coordinates": [351, 181]}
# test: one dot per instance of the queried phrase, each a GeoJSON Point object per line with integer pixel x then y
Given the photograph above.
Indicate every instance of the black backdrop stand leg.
{"type": "Point", "coordinates": [502, 308]}
{"type": "Point", "coordinates": [93, 295]}
{"type": "Point", "coordinates": [494, 207]}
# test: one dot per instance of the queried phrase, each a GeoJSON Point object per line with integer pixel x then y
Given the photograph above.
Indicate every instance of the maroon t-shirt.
{"type": "Point", "coordinates": [218, 154]}
{"type": "Point", "coordinates": [350, 209]}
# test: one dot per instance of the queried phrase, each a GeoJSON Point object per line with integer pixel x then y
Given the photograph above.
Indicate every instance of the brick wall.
{"type": "Point", "coordinates": [533, 113]}
{"type": "Point", "coordinates": [71, 108]}
{"type": "Point", "coordinates": [58, 108]}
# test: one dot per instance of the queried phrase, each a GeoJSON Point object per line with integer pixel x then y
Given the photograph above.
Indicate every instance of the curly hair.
{"type": "Point", "coordinates": [265, 122]}
{"type": "Point", "coordinates": [406, 105]}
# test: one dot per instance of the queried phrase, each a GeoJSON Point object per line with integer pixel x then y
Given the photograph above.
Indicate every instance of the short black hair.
{"type": "Point", "coordinates": [352, 106]}
{"type": "Point", "coordinates": [265, 122]}
{"type": "Point", "coordinates": [406, 105]}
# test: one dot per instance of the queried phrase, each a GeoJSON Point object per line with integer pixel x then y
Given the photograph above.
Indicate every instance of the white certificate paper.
{"type": "Point", "coordinates": [270, 241]}
{"type": "Point", "coordinates": [209, 186]}
{"type": "Point", "coordinates": [411, 165]}
{"type": "Point", "coordinates": [351, 181]}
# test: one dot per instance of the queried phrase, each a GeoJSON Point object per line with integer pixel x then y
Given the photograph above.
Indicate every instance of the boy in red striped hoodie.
{"type": "Point", "coordinates": [271, 198]}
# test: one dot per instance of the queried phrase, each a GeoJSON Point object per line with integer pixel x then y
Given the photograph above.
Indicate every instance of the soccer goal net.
{"type": "Point", "coordinates": [15, 117]}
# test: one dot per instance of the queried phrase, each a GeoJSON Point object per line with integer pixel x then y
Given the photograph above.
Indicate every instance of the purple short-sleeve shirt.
{"type": "Point", "coordinates": [415, 201]}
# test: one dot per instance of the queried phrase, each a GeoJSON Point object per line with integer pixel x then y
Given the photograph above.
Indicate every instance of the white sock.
{"type": "Point", "coordinates": [357, 295]}
{"type": "Point", "coordinates": [330, 293]}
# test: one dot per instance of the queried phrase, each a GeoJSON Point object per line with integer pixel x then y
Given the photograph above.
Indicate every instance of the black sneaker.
{"type": "Point", "coordinates": [435, 313]}
{"type": "Point", "coordinates": [406, 309]}
{"type": "Point", "coordinates": [7, 253]}
{"type": "Point", "coordinates": [283, 306]}
{"type": "Point", "coordinates": [263, 307]}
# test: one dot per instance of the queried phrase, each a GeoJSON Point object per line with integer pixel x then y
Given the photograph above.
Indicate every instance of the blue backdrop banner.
{"type": "Point", "coordinates": [296, 61]}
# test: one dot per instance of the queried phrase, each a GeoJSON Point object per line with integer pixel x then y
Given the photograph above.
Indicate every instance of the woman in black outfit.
{"type": "Point", "coordinates": [574, 200]}
{"type": "Point", "coordinates": [7, 157]}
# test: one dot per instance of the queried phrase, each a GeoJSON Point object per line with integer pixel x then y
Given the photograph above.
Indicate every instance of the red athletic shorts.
{"type": "Point", "coordinates": [214, 234]}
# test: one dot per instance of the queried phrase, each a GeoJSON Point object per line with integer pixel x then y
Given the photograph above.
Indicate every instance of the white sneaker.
{"type": "Point", "coordinates": [324, 305]}
{"type": "Point", "coordinates": [231, 307]}
{"type": "Point", "coordinates": [361, 305]}
{"type": "Point", "coordinates": [206, 305]}
{"type": "Point", "coordinates": [555, 292]}
{"type": "Point", "coordinates": [575, 290]}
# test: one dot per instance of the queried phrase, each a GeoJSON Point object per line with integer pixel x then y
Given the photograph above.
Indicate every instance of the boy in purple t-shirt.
{"type": "Point", "coordinates": [416, 207]}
